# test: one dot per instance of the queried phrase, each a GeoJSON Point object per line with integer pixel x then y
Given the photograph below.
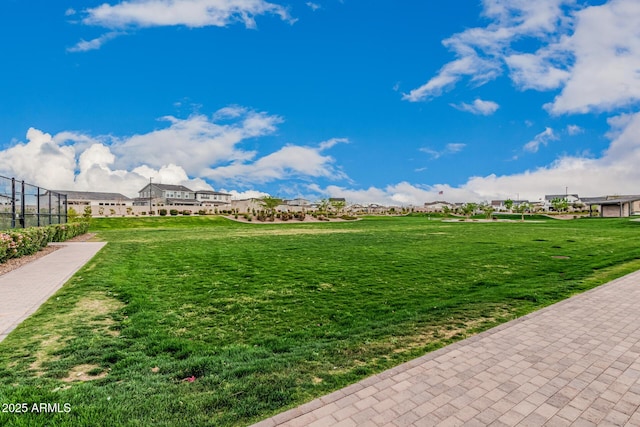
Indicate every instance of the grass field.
{"type": "Point", "coordinates": [194, 321]}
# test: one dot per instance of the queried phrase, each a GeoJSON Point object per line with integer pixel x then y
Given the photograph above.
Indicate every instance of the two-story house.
{"type": "Point", "coordinates": [166, 195]}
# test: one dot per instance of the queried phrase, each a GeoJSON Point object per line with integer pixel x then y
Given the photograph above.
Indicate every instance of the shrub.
{"type": "Point", "coordinates": [185, 212]}
{"type": "Point", "coordinates": [162, 212]}
{"type": "Point", "coordinates": [202, 212]}
{"type": "Point", "coordinates": [27, 241]}
{"type": "Point", "coordinates": [173, 212]}
{"type": "Point", "coordinates": [349, 217]}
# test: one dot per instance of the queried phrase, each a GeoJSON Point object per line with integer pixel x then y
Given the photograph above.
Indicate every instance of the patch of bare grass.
{"type": "Point", "coordinates": [94, 310]}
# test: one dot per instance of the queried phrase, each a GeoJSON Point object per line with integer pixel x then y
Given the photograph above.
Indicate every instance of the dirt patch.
{"type": "Point", "coordinates": [307, 219]}
{"type": "Point", "coordinates": [95, 310]}
{"type": "Point", "coordinates": [44, 353]}
{"type": "Point", "coordinates": [85, 373]}
{"type": "Point", "coordinates": [560, 257]}
{"type": "Point", "coordinates": [293, 231]}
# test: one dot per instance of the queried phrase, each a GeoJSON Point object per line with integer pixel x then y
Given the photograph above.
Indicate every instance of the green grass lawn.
{"type": "Point", "coordinates": [262, 317]}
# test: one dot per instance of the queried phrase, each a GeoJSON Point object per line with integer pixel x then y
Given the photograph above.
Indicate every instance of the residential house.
{"type": "Point", "coordinates": [213, 198]}
{"type": "Point", "coordinates": [573, 201]}
{"type": "Point", "coordinates": [437, 206]}
{"type": "Point", "coordinates": [166, 195]}
{"type": "Point", "coordinates": [94, 198]}
{"type": "Point", "coordinates": [501, 205]}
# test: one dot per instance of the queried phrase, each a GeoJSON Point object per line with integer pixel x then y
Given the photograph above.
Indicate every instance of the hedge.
{"type": "Point", "coordinates": [27, 241]}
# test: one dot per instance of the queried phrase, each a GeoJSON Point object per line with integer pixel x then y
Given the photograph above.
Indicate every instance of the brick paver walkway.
{"type": "Point", "coordinates": [23, 290]}
{"type": "Point", "coordinates": [576, 363]}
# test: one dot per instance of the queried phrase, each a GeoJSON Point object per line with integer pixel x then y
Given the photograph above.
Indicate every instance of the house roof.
{"type": "Point", "coordinates": [91, 195]}
{"type": "Point", "coordinates": [168, 187]}
{"type": "Point", "coordinates": [212, 192]}
{"type": "Point", "coordinates": [559, 196]}
{"type": "Point", "coordinates": [616, 201]}
{"type": "Point", "coordinates": [172, 187]}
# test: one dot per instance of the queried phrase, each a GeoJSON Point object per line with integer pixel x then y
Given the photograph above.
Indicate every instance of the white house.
{"type": "Point", "coordinates": [94, 198]}
{"type": "Point", "coordinates": [213, 198]}
{"type": "Point", "coordinates": [437, 206]}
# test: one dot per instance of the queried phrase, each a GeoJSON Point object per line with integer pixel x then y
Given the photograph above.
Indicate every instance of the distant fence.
{"type": "Point", "coordinates": [25, 205]}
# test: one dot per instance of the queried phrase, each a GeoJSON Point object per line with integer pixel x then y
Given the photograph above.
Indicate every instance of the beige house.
{"type": "Point", "coordinates": [213, 199]}
{"type": "Point", "coordinates": [81, 199]}
{"type": "Point", "coordinates": [437, 206]}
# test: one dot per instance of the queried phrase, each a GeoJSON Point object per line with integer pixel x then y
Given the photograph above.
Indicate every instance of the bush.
{"type": "Point", "coordinates": [349, 217]}
{"type": "Point", "coordinates": [186, 212]}
{"type": "Point", "coordinates": [173, 212]}
{"type": "Point", "coordinates": [27, 241]}
{"type": "Point", "coordinates": [202, 212]}
{"type": "Point", "coordinates": [162, 212]}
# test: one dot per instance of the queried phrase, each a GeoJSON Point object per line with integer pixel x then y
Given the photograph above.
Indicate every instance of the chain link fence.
{"type": "Point", "coordinates": [25, 205]}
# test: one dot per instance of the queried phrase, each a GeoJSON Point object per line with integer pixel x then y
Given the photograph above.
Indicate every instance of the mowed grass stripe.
{"type": "Point", "coordinates": [265, 317]}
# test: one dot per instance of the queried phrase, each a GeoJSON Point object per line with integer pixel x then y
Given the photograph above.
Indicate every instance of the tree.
{"type": "Point", "coordinates": [87, 214]}
{"type": "Point", "coordinates": [521, 208]}
{"type": "Point", "coordinates": [508, 204]}
{"type": "Point", "coordinates": [488, 210]}
{"type": "Point", "coordinates": [559, 204]}
{"type": "Point", "coordinates": [323, 205]}
{"type": "Point", "coordinates": [446, 210]}
{"type": "Point", "coordinates": [269, 204]}
{"type": "Point", "coordinates": [338, 205]}
{"type": "Point", "coordinates": [72, 215]}
{"type": "Point", "coordinates": [468, 209]}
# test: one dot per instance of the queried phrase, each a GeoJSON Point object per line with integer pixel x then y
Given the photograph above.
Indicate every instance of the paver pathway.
{"type": "Point", "coordinates": [575, 363]}
{"type": "Point", "coordinates": [23, 290]}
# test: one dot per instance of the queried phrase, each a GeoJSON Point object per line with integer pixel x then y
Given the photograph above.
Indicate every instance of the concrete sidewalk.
{"type": "Point", "coordinates": [575, 363]}
{"type": "Point", "coordinates": [23, 290]}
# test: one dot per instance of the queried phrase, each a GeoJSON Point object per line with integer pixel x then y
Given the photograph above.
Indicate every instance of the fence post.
{"type": "Point", "coordinates": [50, 218]}
{"type": "Point", "coordinates": [13, 203]}
{"type": "Point", "coordinates": [65, 208]}
{"type": "Point", "coordinates": [38, 206]}
{"type": "Point", "coordinates": [23, 218]}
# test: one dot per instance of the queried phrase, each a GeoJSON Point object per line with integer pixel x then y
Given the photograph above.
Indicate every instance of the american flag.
{"type": "Point", "coordinates": [440, 192]}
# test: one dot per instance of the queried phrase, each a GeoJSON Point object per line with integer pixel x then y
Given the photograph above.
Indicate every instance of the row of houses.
{"type": "Point", "coordinates": [603, 206]}
{"type": "Point", "coordinates": [154, 196]}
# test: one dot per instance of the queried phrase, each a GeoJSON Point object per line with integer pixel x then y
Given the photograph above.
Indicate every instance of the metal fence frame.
{"type": "Point", "coordinates": [25, 205]}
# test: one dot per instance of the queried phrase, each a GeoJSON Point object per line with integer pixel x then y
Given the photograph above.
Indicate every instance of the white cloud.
{"type": "Point", "coordinates": [196, 143]}
{"type": "Point", "coordinates": [606, 50]}
{"type": "Point", "coordinates": [186, 148]}
{"type": "Point", "coordinates": [192, 13]}
{"type": "Point", "coordinates": [542, 138]}
{"type": "Point", "coordinates": [615, 172]}
{"type": "Point", "coordinates": [291, 161]}
{"type": "Point", "coordinates": [128, 15]}
{"type": "Point", "coordinates": [479, 106]}
{"type": "Point", "coordinates": [448, 149]}
{"type": "Point", "coordinates": [94, 44]}
{"type": "Point", "coordinates": [574, 130]}
{"type": "Point", "coordinates": [313, 6]}
{"type": "Point", "coordinates": [590, 53]}
{"type": "Point", "coordinates": [481, 52]}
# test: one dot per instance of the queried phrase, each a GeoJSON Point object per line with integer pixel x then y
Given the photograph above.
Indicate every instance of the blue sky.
{"type": "Point", "coordinates": [377, 101]}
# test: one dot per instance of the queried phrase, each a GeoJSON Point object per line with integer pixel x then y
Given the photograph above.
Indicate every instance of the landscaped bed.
{"type": "Point", "coordinates": [204, 321]}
